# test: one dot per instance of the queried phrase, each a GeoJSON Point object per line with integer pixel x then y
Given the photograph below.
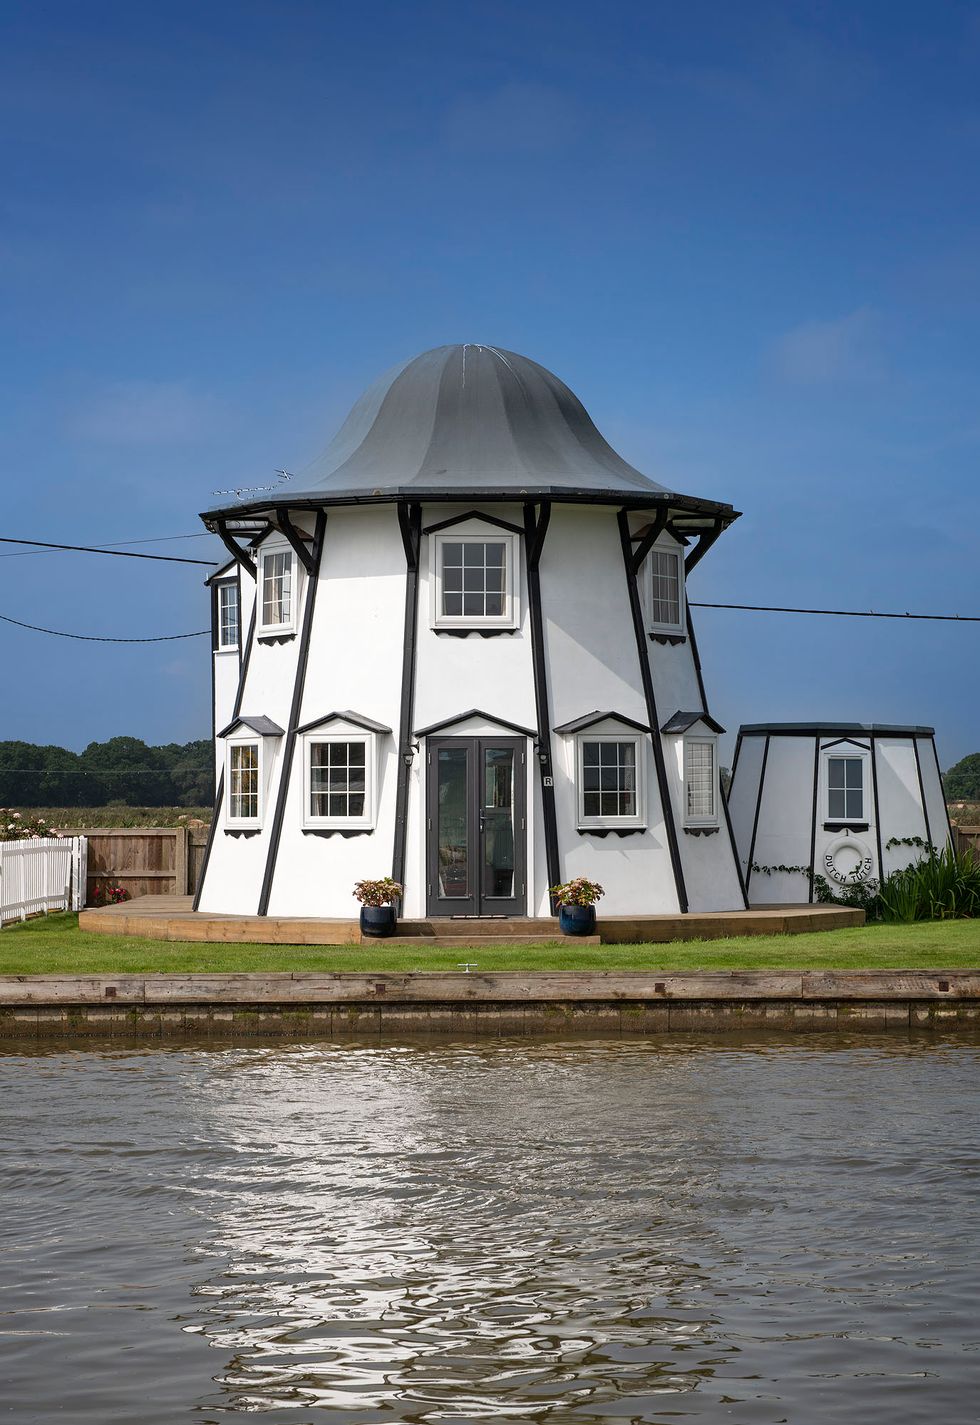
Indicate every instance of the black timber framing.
{"type": "Point", "coordinates": [646, 676]}
{"type": "Point", "coordinates": [721, 790]}
{"type": "Point", "coordinates": [219, 793]}
{"type": "Point", "coordinates": [303, 552]}
{"type": "Point", "coordinates": [706, 539]}
{"type": "Point", "coordinates": [410, 525]}
{"type": "Point", "coordinates": [236, 551]}
{"type": "Point", "coordinates": [289, 745]}
{"type": "Point", "coordinates": [942, 793]}
{"type": "Point", "coordinates": [813, 820]}
{"type": "Point", "coordinates": [648, 540]}
{"type": "Point", "coordinates": [922, 789]}
{"type": "Point", "coordinates": [536, 521]}
{"type": "Point", "coordinates": [874, 790]}
{"type": "Point", "coordinates": [755, 819]}
{"type": "Point", "coordinates": [473, 515]}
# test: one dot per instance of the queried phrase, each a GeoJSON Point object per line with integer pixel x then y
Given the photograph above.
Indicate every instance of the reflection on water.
{"type": "Point", "coordinates": [784, 1230]}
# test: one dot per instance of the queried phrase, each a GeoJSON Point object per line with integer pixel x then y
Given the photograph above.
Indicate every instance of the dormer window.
{"type": "Point", "coordinates": [666, 590]}
{"type": "Point", "coordinates": [474, 580]}
{"type": "Point", "coordinates": [700, 781]}
{"type": "Point", "coordinates": [250, 743]}
{"type": "Point", "coordinates": [277, 591]}
{"type": "Point", "coordinates": [340, 772]}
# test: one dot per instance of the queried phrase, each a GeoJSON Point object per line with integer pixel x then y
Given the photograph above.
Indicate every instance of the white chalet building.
{"type": "Point", "coordinates": [461, 655]}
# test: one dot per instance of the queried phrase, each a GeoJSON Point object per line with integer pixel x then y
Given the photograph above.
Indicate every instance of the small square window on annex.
{"type": "Point", "coordinates": [474, 582]}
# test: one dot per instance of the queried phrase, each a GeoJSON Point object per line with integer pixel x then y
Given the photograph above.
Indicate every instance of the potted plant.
{"type": "Point", "coordinates": [576, 905]}
{"type": "Point", "coordinates": [377, 899]}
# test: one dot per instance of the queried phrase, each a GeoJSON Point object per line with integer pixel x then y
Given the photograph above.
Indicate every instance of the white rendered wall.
{"type": "Point", "coordinates": [785, 821]}
{"type": "Point", "coordinates": [788, 818]}
{"type": "Point", "coordinates": [355, 662]}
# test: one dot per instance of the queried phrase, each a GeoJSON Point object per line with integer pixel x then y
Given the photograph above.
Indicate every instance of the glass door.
{"type": "Point", "coordinates": [476, 826]}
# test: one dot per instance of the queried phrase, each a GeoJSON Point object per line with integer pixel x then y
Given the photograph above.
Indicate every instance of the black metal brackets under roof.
{"type": "Point", "coordinates": [261, 724]}
{"type": "Point", "coordinates": [354, 718]}
{"type": "Point", "coordinates": [240, 555]}
{"type": "Point", "coordinates": [579, 724]}
{"type": "Point", "coordinates": [296, 538]}
{"type": "Point", "coordinates": [681, 721]}
{"type": "Point", "coordinates": [474, 712]}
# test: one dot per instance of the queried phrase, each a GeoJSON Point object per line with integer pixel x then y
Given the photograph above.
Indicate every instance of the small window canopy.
{"type": "Point", "coordinates": [264, 726]}
{"type": "Point", "coordinates": [477, 713]}
{"type": "Point", "coordinates": [684, 721]}
{"type": "Point", "coordinates": [579, 724]}
{"type": "Point", "coordinates": [354, 718]}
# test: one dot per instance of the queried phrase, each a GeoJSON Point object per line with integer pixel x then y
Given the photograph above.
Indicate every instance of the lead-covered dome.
{"type": "Point", "coordinates": [475, 419]}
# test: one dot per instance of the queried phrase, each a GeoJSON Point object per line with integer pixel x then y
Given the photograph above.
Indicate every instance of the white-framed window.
{"type": "Point", "coordinates": [228, 616]}
{"type": "Point", "coordinates": [277, 590]}
{"type": "Point", "coordinates": [665, 589]}
{"type": "Point", "coordinates": [701, 791]}
{"type": "Point", "coordinates": [846, 796]}
{"type": "Point", "coordinates": [474, 579]}
{"type": "Point", "coordinates": [339, 780]}
{"type": "Point", "coordinates": [610, 779]}
{"type": "Point", "coordinates": [243, 771]}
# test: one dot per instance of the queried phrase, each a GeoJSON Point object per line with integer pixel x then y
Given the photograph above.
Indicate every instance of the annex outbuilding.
{"type": "Point", "coordinates": [851, 802]}
{"type": "Point", "coordinates": [459, 652]}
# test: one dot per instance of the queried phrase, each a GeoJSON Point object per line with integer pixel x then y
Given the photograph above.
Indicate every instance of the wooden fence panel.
{"type": "Point", "coordinates": [967, 838]}
{"type": "Point", "coordinates": [146, 860]}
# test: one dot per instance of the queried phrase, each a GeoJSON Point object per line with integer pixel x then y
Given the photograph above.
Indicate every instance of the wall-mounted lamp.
{"type": "Point", "coordinates": [408, 756]}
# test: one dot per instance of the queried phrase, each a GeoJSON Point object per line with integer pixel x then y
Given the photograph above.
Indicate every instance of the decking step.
{"type": "Point", "coordinates": [460, 942]}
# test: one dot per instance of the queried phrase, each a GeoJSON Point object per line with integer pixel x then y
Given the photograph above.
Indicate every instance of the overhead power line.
{"type": "Point", "coordinates": [97, 638]}
{"type": "Point", "coordinates": [117, 544]}
{"type": "Point", "coordinates": [116, 553]}
{"type": "Point", "coordinates": [839, 613]}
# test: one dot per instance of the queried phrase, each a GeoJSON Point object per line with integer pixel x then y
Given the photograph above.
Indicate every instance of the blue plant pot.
{"type": "Point", "coordinates": [576, 919]}
{"type": "Point", "coordinates": [378, 920]}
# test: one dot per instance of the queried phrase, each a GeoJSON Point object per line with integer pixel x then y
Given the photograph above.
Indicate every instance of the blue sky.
{"type": "Point", "coordinates": [747, 236]}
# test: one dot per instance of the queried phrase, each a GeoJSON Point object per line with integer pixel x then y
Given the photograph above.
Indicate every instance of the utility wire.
{"type": "Point", "coordinates": [95, 638]}
{"type": "Point", "coordinates": [839, 613]}
{"type": "Point", "coordinates": [116, 553]}
{"type": "Point", "coordinates": [119, 544]}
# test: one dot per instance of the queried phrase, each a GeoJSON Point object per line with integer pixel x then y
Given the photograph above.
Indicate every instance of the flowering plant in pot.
{"type": "Point", "coordinates": [377, 899]}
{"type": "Point", "coordinates": [576, 905]}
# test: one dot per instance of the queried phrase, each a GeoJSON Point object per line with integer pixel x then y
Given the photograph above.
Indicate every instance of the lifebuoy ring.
{"type": "Point", "coordinates": [848, 861]}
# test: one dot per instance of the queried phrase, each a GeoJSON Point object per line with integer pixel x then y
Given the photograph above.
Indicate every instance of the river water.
{"type": "Point", "coordinates": [784, 1229]}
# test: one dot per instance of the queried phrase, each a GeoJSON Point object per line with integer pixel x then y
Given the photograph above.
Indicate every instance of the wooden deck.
{"type": "Point", "coordinates": [171, 918]}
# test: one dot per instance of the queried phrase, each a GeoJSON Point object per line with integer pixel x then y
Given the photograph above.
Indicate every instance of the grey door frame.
{"type": "Point", "coordinates": [477, 902]}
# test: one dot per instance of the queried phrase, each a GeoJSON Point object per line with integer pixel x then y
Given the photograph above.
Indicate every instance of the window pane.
{"type": "Point", "coordinates": [699, 765]}
{"type": "Point", "coordinates": [473, 605]}
{"type": "Point", "coordinates": [835, 803]}
{"type": "Point", "coordinates": [496, 555]}
{"type": "Point", "coordinates": [609, 779]}
{"type": "Point", "coordinates": [665, 576]}
{"type": "Point", "coordinates": [473, 556]}
{"type": "Point", "coordinates": [452, 555]}
{"type": "Point", "coordinates": [853, 772]}
{"type": "Point", "coordinates": [855, 805]}
{"type": "Point", "coordinates": [452, 604]}
{"type": "Point", "coordinates": [452, 581]}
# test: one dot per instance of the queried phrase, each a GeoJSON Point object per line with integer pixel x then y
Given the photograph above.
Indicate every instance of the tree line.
{"type": "Point", "coordinates": [124, 770]}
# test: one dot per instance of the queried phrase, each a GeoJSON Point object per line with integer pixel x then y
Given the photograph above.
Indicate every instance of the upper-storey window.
{"type": "Point", "coordinates": [475, 580]}
{"type": "Point", "coordinates": [228, 616]}
{"type": "Point", "coordinates": [666, 590]}
{"type": "Point", "coordinates": [845, 788]}
{"type": "Point", "coordinates": [277, 591]}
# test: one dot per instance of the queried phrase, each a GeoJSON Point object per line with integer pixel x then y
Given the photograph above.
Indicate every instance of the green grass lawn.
{"type": "Point", "coordinates": [55, 945]}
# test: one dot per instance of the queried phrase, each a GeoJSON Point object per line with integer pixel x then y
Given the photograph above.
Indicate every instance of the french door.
{"type": "Point", "coordinates": [476, 836]}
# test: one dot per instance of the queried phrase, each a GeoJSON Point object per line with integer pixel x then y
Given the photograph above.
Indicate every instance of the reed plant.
{"type": "Point", "coordinates": [944, 885]}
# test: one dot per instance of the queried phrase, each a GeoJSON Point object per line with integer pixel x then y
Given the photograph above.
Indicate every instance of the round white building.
{"type": "Point", "coordinates": [461, 655]}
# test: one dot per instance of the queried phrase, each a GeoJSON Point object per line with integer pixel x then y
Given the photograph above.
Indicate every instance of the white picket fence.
{"type": "Point", "coordinates": [42, 875]}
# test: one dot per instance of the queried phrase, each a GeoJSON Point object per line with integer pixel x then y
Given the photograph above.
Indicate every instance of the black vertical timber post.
{"type": "Point", "coordinates": [874, 790]}
{"type": "Point", "coordinates": [721, 790]}
{"type": "Point", "coordinates": [535, 528]}
{"type": "Point", "coordinates": [758, 808]}
{"type": "Point", "coordinates": [648, 692]}
{"type": "Point", "coordinates": [813, 821]}
{"type": "Point", "coordinates": [410, 524]}
{"type": "Point", "coordinates": [302, 658]}
{"type": "Point", "coordinates": [219, 794]}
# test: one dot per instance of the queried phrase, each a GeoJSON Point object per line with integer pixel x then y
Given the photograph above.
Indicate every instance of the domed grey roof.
{"type": "Point", "coordinates": [476, 422]}
{"type": "Point", "coordinates": [470, 418]}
